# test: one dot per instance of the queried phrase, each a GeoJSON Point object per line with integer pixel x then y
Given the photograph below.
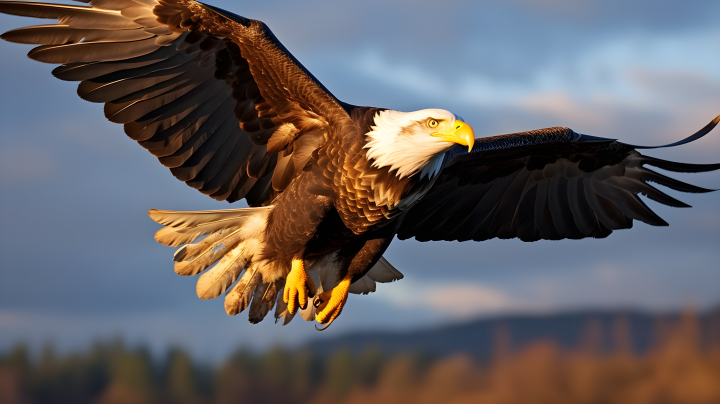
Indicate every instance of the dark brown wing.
{"type": "Point", "coordinates": [216, 97]}
{"type": "Point", "coordinates": [545, 184]}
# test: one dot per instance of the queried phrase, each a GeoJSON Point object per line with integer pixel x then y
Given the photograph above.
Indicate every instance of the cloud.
{"type": "Point", "coordinates": [467, 299]}
{"type": "Point", "coordinates": [453, 300]}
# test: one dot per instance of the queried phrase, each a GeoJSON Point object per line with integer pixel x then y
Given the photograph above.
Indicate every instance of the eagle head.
{"type": "Point", "coordinates": [415, 142]}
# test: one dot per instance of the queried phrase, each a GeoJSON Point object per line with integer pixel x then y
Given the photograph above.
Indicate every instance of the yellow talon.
{"type": "Point", "coordinates": [297, 287]}
{"type": "Point", "coordinates": [333, 302]}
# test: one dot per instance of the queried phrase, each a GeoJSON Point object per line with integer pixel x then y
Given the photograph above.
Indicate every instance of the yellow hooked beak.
{"type": "Point", "coordinates": [461, 133]}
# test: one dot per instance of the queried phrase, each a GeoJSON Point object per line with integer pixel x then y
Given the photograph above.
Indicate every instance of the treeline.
{"type": "Point", "coordinates": [683, 367]}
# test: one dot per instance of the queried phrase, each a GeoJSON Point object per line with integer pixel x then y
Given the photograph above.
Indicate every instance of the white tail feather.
{"type": "Point", "coordinates": [200, 261]}
{"type": "Point", "coordinates": [238, 298]}
{"type": "Point", "coordinates": [215, 281]}
{"type": "Point", "coordinates": [184, 227]}
{"type": "Point", "coordinates": [235, 236]}
{"type": "Point", "coordinates": [281, 311]}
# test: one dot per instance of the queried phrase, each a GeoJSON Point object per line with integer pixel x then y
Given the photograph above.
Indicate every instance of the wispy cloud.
{"type": "Point", "coordinates": [452, 300]}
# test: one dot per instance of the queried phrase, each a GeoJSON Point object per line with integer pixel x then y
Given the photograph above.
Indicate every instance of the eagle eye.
{"type": "Point", "coordinates": [432, 123]}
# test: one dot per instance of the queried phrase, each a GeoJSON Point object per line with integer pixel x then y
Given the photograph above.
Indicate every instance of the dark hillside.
{"type": "Point", "coordinates": [583, 329]}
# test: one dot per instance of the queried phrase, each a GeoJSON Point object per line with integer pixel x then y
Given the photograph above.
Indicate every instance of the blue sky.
{"type": "Point", "coordinates": [77, 258]}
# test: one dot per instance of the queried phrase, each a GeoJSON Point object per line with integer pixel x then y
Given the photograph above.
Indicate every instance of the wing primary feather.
{"type": "Point", "coordinates": [145, 110]}
{"type": "Point", "coordinates": [74, 16]}
{"type": "Point", "coordinates": [134, 88]}
{"type": "Point", "coordinates": [697, 135]}
{"type": "Point", "coordinates": [635, 186]}
{"type": "Point", "coordinates": [630, 205]}
{"type": "Point", "coordinates": [90, 70]}
{"type": "Point", "coordinates": [679, 167]}
{"type": "Point", "coordinates": [58, 34]}
{"type": "Point", "coordinates": [174, 61]}
{"type": "Point", "coordinates": [91, 52]}
{"type": "Point", "coordinates": [646, 175]}
{"type": "Point", "coordinates": [174, 85]}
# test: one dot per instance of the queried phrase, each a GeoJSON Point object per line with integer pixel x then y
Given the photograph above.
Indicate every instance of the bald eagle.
{"type": "Point", "coordinates": [221, 102]}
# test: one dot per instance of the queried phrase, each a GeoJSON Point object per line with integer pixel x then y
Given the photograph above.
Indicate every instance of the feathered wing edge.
{"type": "Point", "coordinates": [695, 136]}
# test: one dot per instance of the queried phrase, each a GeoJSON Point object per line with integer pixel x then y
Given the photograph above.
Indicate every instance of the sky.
{"type": "Point", "coordinates": [78, 261]}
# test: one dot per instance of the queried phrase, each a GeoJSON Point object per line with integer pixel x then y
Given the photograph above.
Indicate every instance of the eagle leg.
{"type": "Point", "coordinates": [298, 287]}
{"type": "Point", "coordinates": [330, 304]}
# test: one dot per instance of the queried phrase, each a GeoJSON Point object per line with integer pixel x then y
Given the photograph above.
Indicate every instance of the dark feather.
{"type": "Point", "coordinates": [56, 34]}
{"type": "Point", "coordinates": [91, 70]}
{"type": "Point", "coordinates": [74, 16]}
{"type": "Point", "coordinates": [92, 52]}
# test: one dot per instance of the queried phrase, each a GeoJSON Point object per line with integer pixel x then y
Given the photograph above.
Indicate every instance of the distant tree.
{"type": "Point", "coordinates": [181, 385]}
{"type": "Point", "coordinates": [132, 379]}
{"type": "Point", "coordinates": [303, 373]}
{"type": "Point", "coordinates": [14, 370]}
{"type": "Point", "coordinates": [369, 364]}
{"type": "Point", "coordinates": [397, 380]}
{"type": "Point", "coordinates": [340, 372]}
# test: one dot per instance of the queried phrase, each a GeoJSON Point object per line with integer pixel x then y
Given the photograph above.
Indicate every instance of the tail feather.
{"type": "Point", "coordinates": [209, 253]}
{"type": "Point", "coordinates": [238, 298]}
{"type": "Point", "coordinates": [234, 237]}
{"type": "Point", "coordinates": [230, 250]}
{"type": "Point", "coordinates": [281, 311]}
{"type": "Point", "coordinates": [200, 217]}
{"type": "Point", "coordinates": [184, 227]}
{"type": "Point", "coordinates": [215, 281]}
{"type": "Point", "coordinates": [190, 251]}
{"type": "Point", "coordinates": [264, 300]}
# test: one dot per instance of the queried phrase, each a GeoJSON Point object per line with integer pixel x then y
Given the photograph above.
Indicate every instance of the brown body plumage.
{"type": "Point", "coordinates": [221, 102]}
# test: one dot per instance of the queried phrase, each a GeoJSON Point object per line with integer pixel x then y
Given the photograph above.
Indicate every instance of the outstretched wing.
{"type": "Point", "coordinates": [214, 96]}
{"type": "Point", "coordinates": [545, 184]}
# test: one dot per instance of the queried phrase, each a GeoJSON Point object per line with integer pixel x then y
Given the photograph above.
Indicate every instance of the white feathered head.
{"type": "Point", "coordinates": [412, 142]}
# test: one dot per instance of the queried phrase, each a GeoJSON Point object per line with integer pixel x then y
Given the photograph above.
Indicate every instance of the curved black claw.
{"type": "Point", "coordinates": [323, 328]}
